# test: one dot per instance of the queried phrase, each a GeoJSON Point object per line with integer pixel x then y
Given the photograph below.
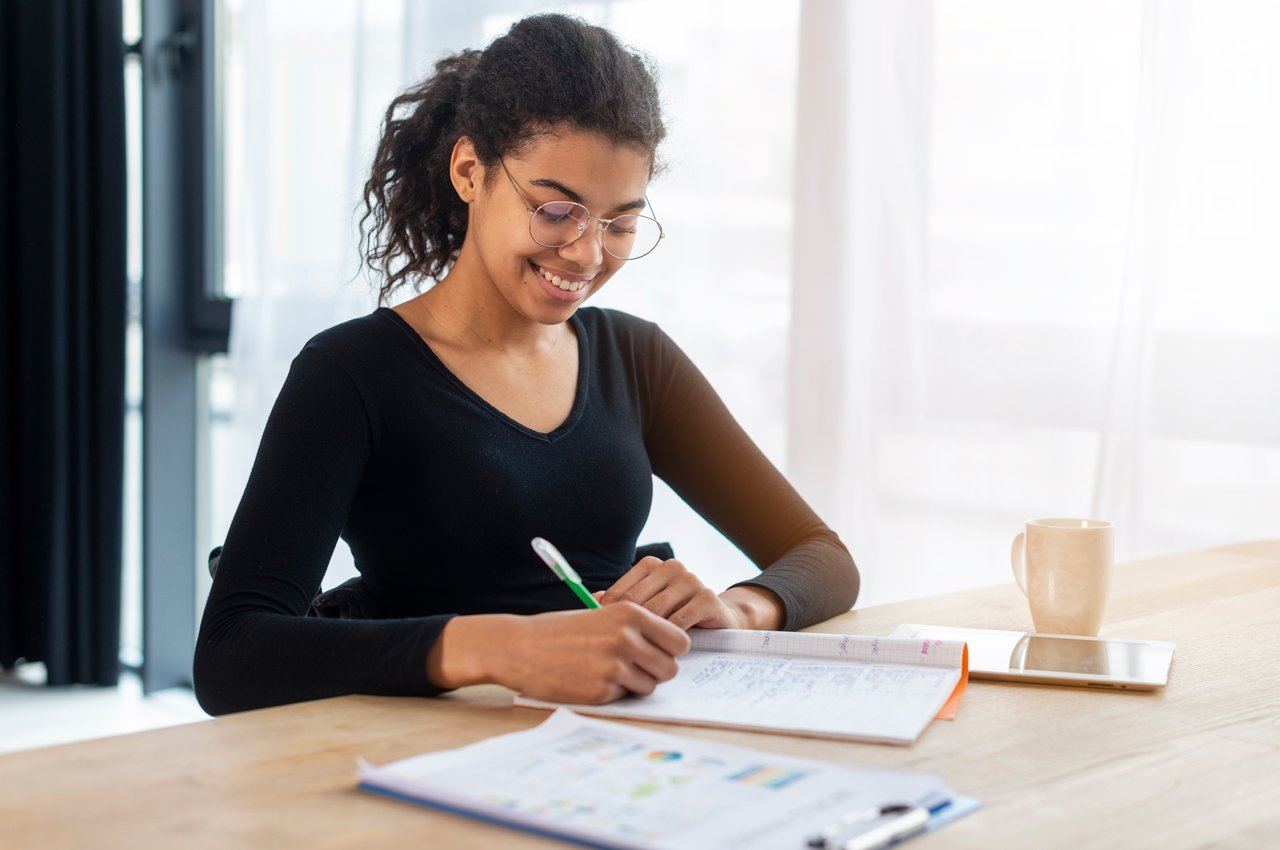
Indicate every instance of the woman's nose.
{"type": "Point", "coordinates": [587, 251]}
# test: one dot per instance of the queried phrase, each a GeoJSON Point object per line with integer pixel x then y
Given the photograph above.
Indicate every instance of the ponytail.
{"type": "Point", "coordinates": [413, 207]}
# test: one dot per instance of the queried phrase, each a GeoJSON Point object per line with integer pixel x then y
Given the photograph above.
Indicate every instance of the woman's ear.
{"type": "Point", "coordinates": [464, 169]}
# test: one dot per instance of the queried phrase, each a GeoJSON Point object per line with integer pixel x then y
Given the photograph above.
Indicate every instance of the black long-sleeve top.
{"type": "Point", "coordinates": [438, 494]}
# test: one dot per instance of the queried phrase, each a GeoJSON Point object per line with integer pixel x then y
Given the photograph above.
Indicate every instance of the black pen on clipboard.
{"type": "Point", "coordinates": [872, 829]}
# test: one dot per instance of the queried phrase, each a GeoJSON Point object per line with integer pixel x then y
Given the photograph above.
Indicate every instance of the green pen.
{"type": "Point", "coordinates": [551, 556]}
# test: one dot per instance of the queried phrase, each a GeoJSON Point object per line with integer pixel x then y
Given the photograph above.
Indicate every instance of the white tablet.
{"type": "Point", "coordinates": [1058, 659]}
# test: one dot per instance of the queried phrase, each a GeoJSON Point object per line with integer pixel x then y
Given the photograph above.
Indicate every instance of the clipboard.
{"type": "Point", "coordinates": [885, 826]}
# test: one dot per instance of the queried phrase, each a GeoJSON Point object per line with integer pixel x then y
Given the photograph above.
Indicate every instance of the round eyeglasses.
{"type": "Point", "coordinates": [556, 224]}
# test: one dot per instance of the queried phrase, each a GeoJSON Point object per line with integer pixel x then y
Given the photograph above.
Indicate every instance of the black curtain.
{"type": "Point", "coordinates": [62, 257]}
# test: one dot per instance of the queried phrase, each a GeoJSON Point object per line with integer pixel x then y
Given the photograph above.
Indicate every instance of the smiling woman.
{"type": "Point", "coordinates": [439, 437]}
{"type": "Point", "coordinates": [565, 164]}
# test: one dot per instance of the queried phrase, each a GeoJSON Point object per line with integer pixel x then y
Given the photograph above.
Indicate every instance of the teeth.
{"type": "Point", "coordinates": [558, 283]}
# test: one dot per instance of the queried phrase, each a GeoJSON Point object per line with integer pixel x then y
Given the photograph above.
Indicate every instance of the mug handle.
{"type": "Point", "coordinates": [1018, 658]}
{"type": "Point", "coordinates": [1018, 556]}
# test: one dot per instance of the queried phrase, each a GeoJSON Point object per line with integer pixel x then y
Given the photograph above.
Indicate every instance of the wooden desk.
{"type": "Point", "coordinates": [1196, 764]}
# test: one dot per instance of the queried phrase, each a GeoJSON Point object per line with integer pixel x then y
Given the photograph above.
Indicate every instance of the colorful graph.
{"type": "Point", "coordinates": [766, 776]}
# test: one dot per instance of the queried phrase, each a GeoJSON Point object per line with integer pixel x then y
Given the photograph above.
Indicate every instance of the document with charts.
{"type": "Point", "coordinates": [618, 786]}
{"type": "Point", "coordinates": [852, 687]}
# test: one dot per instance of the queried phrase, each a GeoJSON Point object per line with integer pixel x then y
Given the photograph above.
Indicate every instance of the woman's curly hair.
{"type": "Point", "coordinates": [546, 71]}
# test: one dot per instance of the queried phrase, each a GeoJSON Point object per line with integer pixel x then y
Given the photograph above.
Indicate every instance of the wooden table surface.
{"type": "Point", "coordinates": [1196, 764]}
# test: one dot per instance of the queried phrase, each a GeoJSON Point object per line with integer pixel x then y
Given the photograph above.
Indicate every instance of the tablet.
{"type": "Point", "coordinates": [1096, 662]}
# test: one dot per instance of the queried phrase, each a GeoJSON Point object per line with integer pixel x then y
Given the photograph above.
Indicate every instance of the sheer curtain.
{"type": "Point", "coordinates": [303, 86]}
{"type": "Point", "coordinates": [952, 265]}
{"type": "Point", "coordinates": [1051, 227]}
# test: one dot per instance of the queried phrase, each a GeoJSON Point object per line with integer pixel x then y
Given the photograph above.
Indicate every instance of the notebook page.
{"type": "Point", "coordinates": [880, 702]}
{"type": "Point", "coordinates": [827, 693]}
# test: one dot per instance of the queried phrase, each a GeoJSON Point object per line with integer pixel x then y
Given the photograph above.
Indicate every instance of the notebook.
{"type": "Point", "coordinates": [850, 687]}
{"type": "Point", "coordinates": [617, 786]}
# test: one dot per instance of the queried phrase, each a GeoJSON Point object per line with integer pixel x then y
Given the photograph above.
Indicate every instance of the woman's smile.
{"type": "Point", "coordinates": [563, 285]}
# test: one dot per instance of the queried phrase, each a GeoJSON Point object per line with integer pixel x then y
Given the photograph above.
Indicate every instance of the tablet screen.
{"type": "Point", "coordinates": [1011, 653]}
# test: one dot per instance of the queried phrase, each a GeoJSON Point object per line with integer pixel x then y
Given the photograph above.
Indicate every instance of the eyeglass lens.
{"type": "Point", "coordinates": [558, 223]}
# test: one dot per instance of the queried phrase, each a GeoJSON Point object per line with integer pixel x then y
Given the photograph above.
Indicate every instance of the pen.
{"type": "Point", "coordinates": [551, 556]}
{"type": "Point", "coordinates": [904, 822]}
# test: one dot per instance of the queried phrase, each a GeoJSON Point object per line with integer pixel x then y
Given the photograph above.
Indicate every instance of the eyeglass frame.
{"type": "Point", "coordinates": [582, 229]}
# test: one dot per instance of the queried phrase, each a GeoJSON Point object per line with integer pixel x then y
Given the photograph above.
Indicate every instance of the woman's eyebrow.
{"type": "Point", "coordinates": [557, 186]}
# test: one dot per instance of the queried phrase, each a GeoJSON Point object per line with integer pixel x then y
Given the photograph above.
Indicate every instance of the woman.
{"type": "Point", "coordinates": [439, 437]}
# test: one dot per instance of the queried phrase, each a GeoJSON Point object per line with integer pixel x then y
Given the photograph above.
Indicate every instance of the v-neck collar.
{"type": "Point", "coordinates": [579, 394]}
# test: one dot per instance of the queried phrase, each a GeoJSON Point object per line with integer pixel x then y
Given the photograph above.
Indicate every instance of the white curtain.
{"type": "Point", "coordinates": [953, 265]}
{"type": "Point", "coordinates": [1051, 227]}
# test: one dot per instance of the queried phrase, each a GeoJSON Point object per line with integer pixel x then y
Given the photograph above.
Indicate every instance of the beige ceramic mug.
{"type": "Point", "coordinates": [1064, 568]}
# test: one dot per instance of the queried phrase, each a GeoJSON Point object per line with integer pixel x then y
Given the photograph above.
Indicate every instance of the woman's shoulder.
{"type": "Point", "coordinates": [364, 338]}
{"type": "Point", "coordinates": [625, 345]}
{"type": "Point", "coordinates": [606, 323]}
{"type": "Point", "coordinates": [356, 331]}
{"type": "Point", "coordinates": [371, 352]}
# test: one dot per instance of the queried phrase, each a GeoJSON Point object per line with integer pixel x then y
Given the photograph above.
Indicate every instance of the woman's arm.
{"type": "Point", "coordinates": [256, 647]}
{"type": "Point", "coordinates": [697, 447]}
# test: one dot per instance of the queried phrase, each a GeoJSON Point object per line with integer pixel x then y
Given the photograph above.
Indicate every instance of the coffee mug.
{"type": "Point", "coordinates": [1063, 566]}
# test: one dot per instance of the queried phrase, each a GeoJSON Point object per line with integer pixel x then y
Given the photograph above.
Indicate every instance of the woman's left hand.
{"type": "Point", "coordinates": [670, 590]}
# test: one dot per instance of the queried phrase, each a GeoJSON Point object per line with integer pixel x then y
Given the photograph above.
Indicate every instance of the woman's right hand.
{"type": "Point", "coordinates": [588, 656]}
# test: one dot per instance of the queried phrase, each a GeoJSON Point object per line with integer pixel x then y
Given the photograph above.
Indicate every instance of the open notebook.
{"type": "Point", "coordinates": [851, 687]}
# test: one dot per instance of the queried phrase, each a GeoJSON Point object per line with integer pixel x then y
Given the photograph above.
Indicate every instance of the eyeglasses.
{"type": "Point", "coordinates": [556, 224]}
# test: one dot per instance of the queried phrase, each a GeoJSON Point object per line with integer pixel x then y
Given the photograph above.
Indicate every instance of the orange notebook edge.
{"type": "Point", "coordinates": [948, 710]}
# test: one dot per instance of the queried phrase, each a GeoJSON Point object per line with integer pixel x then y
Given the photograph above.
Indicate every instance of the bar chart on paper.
{"type": "Point", "coordinates": [611, 785]}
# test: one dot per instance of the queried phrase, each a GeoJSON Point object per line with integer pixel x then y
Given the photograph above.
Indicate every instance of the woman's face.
{"type": "Point", "coordinates": [547, 285]}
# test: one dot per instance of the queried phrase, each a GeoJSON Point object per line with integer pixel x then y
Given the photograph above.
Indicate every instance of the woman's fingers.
{"type": "Point", "coordinates": [660, 586]}
{"type": "Point", "coordinates": [630, 579]}
{"type": "Point", "coordinates": [670, 590]}
{"type": "Point", "coordinates": [705, 610]}
{"type": "Point", "coordinates": [668, 637]}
